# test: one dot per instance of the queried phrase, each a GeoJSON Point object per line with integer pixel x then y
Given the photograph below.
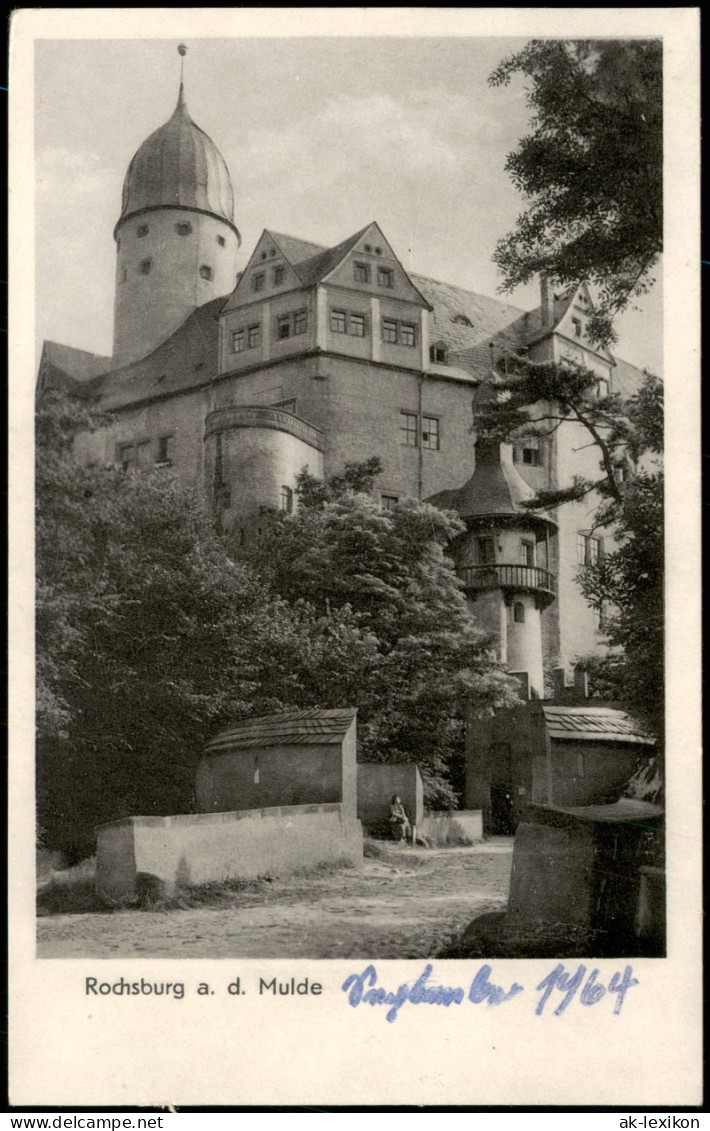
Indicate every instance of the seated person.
{"type": "Point", "coordinates": [399, 822]}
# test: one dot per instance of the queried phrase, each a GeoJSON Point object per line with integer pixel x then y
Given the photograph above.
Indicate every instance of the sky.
{"type": "Point", "coordinates": [321, 136]}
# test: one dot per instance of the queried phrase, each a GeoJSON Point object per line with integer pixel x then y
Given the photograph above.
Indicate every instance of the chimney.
{"type": "Point", "coordinates": [547, 301]}
{"type": "Point", "coordinates": [558, 682]}
{"type": "Point", "coordinates": [581, 684]}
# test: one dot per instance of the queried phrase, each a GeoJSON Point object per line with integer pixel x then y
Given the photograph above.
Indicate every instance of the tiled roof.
{"type": "Point", "coordinates": [187, 357]}
{"type": "Point", "coordinates": [312, 270]}
{"type": "Point", "coordinates": [594, 724]}
{"type": "Point", "coordinates": [495, 489]}
{"type": "Point", "coordinates": [65, 365]}
{"type": "Point", "coordinates": [467, 323]}
{"type": "Point", "coordinates": [288, 728]}
{"type": "Point", "coordinates": [294, 249]}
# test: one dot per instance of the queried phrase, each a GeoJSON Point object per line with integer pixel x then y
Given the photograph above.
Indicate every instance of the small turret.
{"type": "Point", "coordinates": [503, 559]}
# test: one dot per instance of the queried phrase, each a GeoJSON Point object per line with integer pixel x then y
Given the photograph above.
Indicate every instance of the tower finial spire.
{"type": "Point", "coordinates": [182, 52]}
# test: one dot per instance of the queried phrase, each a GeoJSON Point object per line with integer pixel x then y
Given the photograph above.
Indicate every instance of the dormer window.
{"type": "Point", "coordinates": [439, 354]}
{"type": "Point", "coordinates": [461, 320]}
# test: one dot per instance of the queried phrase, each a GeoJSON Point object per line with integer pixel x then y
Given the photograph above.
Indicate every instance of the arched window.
{"type": "Point", "coordinates": [519, 612]}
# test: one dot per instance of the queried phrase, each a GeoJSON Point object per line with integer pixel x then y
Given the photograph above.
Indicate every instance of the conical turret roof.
{"type": "Point", "coordinates": [495, 490]}
{"type": "Point", "coordinates": [178, 166]}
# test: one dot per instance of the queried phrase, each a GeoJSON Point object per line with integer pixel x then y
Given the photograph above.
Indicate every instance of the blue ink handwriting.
{"type": "Point", "coordinates": [362, 989]}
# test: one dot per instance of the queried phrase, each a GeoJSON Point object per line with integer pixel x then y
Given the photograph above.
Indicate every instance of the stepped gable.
{"type": "Point", "coordinates": [288, 728]}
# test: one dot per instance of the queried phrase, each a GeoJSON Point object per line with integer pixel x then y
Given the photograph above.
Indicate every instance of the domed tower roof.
{"type": "Point", "coordinates": [178, 166]}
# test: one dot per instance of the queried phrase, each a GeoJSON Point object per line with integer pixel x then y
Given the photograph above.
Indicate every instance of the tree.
{"type": "Point", "coordinates": [386, 574]}
{"type": "Point", "coordinates": [592, 168]}
{"type": "Point", "coordinates": [150, 638]}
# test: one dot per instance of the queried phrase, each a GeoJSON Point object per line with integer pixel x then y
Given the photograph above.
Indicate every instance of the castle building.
{"type": "Point", "coordinates": [240, 374]}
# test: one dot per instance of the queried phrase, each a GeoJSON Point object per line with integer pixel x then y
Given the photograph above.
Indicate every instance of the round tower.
{"type": "Point", "coordinates": [504, 561]}
{"type": "Point", "coordinates": [176, 241]}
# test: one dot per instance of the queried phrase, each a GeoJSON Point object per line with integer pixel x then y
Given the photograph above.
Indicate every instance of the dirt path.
{"type": "Point", "coordinates": [406, 905]}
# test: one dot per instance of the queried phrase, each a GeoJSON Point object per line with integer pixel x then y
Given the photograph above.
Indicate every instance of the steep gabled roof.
{"type": "Point", "coordinates": [294, 249]}
{"type": "Point", "coordinates": [315, 269]}
{"type": "Point", "coordinates": [312, 726]}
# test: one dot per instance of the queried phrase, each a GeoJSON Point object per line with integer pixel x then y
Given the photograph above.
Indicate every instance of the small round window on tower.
{"type": "Point", "coordinates": [221, 241]}
{"type": "Point", "coordinates": [183, 229]}
{"type": "Point", "coordinates": [205, 271]}
{"type": "Point", "coordinates": [142, 230]}
{"type": "Point", "coordinates": [145, 266]}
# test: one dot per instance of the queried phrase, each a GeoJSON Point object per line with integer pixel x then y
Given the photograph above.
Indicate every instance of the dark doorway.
{"type": "Point", "coordinates": [502, 810]}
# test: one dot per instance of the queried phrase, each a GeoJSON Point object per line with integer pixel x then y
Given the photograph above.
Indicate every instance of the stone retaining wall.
{"type": "Point", "coordinates": [162, 854]}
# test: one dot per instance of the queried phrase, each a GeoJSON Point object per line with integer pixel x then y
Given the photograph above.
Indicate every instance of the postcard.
{"type": "Point", "coordinates": [354, 619]}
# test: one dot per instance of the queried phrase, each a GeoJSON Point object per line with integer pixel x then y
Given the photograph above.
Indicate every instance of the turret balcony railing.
{"type": "Point", "coordinates": [531, 579]}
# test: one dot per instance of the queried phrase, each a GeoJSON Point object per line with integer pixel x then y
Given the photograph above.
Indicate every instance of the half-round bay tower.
{"type": "Point", "coordinates": [176, 241]}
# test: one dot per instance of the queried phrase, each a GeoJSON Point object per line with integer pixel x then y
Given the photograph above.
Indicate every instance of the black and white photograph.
{"type": "Point", "coordinates": [351, 593]}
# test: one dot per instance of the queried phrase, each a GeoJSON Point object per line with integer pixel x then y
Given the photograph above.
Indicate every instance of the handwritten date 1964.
{"type": "Point", "coordinates": [363, 989]}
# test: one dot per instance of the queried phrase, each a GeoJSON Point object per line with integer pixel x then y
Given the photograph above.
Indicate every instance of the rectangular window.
{"type": "Point", "coordinates": [257, 283]}
{"type": "Point", "coordinates": [602, 388]}
{"type": "Point", "coordinates": [531, 452]}
{"type": "Point", "coordinates": [389, 330]}
{"type": "Point", "coordinates": [143, 455]}
{"type": "Point", "coordinates": [527, 553]}
{"type": "Point", "coordinates": [385, 277]}
{"type": "Point", "coordinates": [205, 272]}
{"type": "Point", "coordinates": [362, 272]}
{"type": "Point", "coordinates": [300, 322]}
{"type": "Point", "coordinates": [287, 500]}
{"type": "Point", "coordinates": [238, 341]}
{"type": "Point", "coordinates": [389, 502]}
{"type": "Point", "coordinates": [357, 325]}
{"type": "Point", "coordinates": [127, 456]}
{"type": "Point", "coordinates": [409, 427]}
{"type": "Point", "coordinates": [166, 449]}
{"type": "Point", "coordinates": [254, 336]}
{"type": "Point", "coordinates": [145, 266]}
{"type": "Point", "coordinates": [283, 327]}
{"type": "Point", "coordinates": [581, 549]}
{"type": "Point", "coordinates": [589, 550]}
{"type": "Point", "coordinates": [484, 551]}
{"type": "Point", "coordinates": [577, 326]}
{"type": "Point", "coordinates": [430, 432]}
{"type": "Point", "coordinates": [408, 334]}
{"type": "Point", "coordinates": [278, 276]}
{"type": "Point", "coordinates": [338, 321]}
